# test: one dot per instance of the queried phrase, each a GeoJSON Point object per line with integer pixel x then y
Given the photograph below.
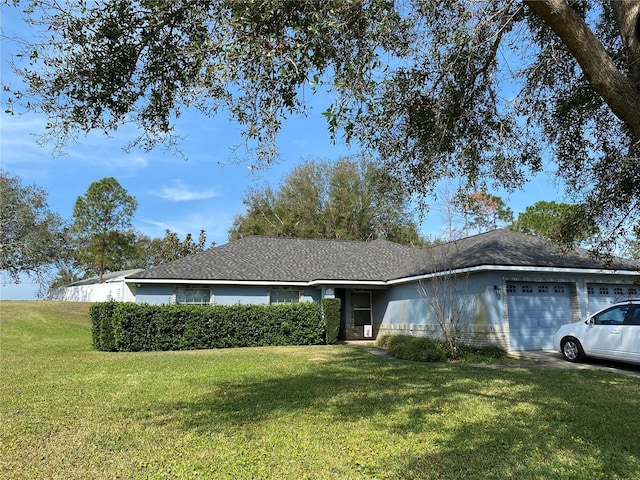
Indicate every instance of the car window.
{"type": "Point", "coordinates": [634, 319]}
{"type": "Point", "coordinates": [613, 316]}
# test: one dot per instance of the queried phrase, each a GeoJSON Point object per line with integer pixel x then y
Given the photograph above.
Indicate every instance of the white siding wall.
{"type": "Point", "coordinates": [117, 291]}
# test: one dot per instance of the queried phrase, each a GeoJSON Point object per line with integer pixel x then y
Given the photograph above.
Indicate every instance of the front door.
{"type": "Point", "coordinates": [361, 313]}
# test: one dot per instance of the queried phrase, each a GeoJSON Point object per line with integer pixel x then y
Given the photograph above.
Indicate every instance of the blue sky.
{"type": "Point", "coordinates": [203, 192]}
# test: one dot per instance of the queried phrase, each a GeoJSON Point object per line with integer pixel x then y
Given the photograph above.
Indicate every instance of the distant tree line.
{"type": "Point", "coordinates": [349, 199]}
{"type": "Point", "coordinates": [99, 238]}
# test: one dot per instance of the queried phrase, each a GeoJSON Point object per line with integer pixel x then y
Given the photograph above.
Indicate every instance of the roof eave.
{"type": "Point", "coordinates": [312, 283]}
{"type": "Point", "coordinates": [201, 281]}
{"type": "Point", "coordinates": [383, 283]}
{"type": "Point", "coordinates": [514, 268]}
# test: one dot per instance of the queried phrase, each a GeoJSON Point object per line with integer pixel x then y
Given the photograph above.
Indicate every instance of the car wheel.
{"type": "Point", "coordinates": [572, 350]}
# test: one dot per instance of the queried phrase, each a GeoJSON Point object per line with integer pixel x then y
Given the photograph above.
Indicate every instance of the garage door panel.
{"type": "Point", "coordinates": [535, 311]}
{"type": "Point", "coordinates": [601, 295]}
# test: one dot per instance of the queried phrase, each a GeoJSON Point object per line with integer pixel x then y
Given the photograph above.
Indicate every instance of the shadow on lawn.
{"type": "Point", "coordinates": [450, 421]}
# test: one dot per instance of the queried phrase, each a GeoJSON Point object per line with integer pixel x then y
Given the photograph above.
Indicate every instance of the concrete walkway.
{"type": "Point", "coordinates": [370, 346]}
{"type": "Point", "coordinates": [535, 359]}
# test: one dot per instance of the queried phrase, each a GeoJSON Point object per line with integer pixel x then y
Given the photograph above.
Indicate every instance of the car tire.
{"type": "Point", "coordinates": [572, 350]}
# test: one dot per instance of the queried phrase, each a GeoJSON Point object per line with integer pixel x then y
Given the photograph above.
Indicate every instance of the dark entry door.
{"type": "Point", "coordinates": [361, 312]}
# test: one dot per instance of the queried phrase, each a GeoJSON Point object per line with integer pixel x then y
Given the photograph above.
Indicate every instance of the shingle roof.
{"type": "Point", "coordinates": [268, 259]}
{"type": "Point", "coordinates": [287, 260]}
{"type": "Point", "coordinates": [508, 248]}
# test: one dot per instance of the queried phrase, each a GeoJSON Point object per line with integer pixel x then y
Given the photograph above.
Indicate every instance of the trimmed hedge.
{"type": "Point", "coordinates": [101, 330]}
{"type": "Point", "coordinates": [128, 327]}
{"type": "Point", "coordinates": [331, 312]}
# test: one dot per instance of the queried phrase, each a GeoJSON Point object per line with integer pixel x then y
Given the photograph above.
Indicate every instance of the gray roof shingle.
{"type": "Point", "coordinates": [269, 259]}
{"type": "Point", "coordinates": [287, 260]}
{"type": "Point", "coordinates": [509, 248]}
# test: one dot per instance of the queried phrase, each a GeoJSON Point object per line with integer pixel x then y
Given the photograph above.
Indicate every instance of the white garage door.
{"type": "Point", "coordinates": [535, 311]}
{"type": "Point", "coordinates": [602, 295]}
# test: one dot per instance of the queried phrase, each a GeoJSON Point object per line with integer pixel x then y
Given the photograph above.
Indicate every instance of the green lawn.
{"type": "Point", "coordinates": [68, 411]}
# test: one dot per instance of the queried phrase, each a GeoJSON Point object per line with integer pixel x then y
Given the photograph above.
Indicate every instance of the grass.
{"type": "Point", "coordinates": [323, 412]}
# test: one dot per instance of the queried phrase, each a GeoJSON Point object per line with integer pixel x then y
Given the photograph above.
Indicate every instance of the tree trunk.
{"type": "Point", "coordinates": [627, 15]}
{"type": "Point", "coordinates": [620, 92]}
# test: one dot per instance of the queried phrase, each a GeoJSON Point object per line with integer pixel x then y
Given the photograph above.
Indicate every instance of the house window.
{"type": "Point", "coordinates": [543, 288]}
{"type": "Point", "coordinates": [591, 290]}
{"type": "Point", "coordinates": [633, 291]}
{"type": "Point", "coordinates": [193, 296]}
{"type": "Point", "coordinates": [511, 288]}
{"type": "Point", "coordinates": [527, 289]}
{"type": "Point", "coordinates": [558, 289]}
{"type": "Point", "coordinates": [618, 291]}
{"type": "Point", "coordinates": [282, 295]}
{"type": "Point", "coordinates": [604, 291]}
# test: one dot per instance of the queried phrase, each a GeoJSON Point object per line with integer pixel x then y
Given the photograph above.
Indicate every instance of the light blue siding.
{"type": "Point", "coordinates": [404, 306]}
{"type": "Point", "coordinates": [483, 302]}
{"type": "Point", "coordinates": [222, 294]}
{"type": "Point", "coordinates": [155, 294]}
{"type": "Point", "coordinates": [234, 294]}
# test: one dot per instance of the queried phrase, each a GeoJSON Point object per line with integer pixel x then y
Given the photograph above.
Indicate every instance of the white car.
{"type": "Point", "coordinates": [612, 333]}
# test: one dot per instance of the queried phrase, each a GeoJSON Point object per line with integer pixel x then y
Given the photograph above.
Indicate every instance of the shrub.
{"type": "Point", "coordinates": [383, 341]}
{"type": "Point", "coordinates": [419, 349]}
{"type": "Point", "coordinates": [101, 315]}
{"type": "Point", "coordinates": [143, 327]}
{"type": "Point", "coordinates": [106, 342]}
{"type": "Point", "coordinates": [331, 312]}
{"type": "Point", "coordinates": [423, 349]}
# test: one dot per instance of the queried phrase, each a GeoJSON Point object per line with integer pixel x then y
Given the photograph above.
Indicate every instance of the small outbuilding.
{"type": "Point", "coordinates": [112, 287]}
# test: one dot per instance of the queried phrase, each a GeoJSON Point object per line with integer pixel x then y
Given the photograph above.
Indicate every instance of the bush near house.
{"type": "Point", "coordinates": [331, 312]}
{"type": "Point", "coordinates": [128, 327]}
{"type": "Point", "coordinates": [423, 349]}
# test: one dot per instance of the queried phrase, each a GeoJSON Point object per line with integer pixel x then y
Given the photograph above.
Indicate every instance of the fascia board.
{"type": "Point", "coordinates": [383, 283]}
{"type": "Point", "coordinates": [511, 268]}
{"type": "Point", "coordinates": [213, 282]}
{"type": "Point", "coordinates": [313, 283]}
{"type": "Point", "coordinates": [359, 283]}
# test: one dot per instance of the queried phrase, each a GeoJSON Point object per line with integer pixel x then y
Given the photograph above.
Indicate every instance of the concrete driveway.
{"type": "Point", "coordinates": [553, 359]}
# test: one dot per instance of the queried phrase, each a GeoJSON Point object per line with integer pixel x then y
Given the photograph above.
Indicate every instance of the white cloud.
{"type": "Point", "coordinates": [22, 146]}
{"type": "Point", "coordinates": [179, 192]}
{"type": "Point", "coordinates": [215, 226]}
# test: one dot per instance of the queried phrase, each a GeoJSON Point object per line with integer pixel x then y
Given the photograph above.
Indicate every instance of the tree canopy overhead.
{"type": "Point", "coordinates": [488, 91]}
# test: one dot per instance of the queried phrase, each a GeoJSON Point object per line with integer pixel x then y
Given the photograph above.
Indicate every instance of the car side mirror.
{"type": "Point", "coordinates": [591, 321]}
